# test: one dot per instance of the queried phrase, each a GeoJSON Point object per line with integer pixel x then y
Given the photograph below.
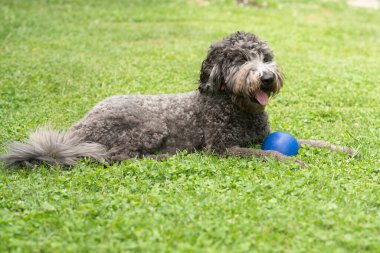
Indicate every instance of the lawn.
{"type": "Point", "coordinates": [58, 58]}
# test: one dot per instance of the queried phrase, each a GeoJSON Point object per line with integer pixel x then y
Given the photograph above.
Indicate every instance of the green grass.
{"type": "Point", "coordinates": [58, 58]}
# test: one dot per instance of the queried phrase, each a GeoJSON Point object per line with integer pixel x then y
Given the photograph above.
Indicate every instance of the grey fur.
{"type": "Point", "coordinates": [226, 112]}
{"type": "Point", "coordinates": [54, 147]}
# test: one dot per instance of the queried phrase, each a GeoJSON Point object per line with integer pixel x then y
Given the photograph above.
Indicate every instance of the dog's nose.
{"type": "Point", "coordinates": [267, 80]}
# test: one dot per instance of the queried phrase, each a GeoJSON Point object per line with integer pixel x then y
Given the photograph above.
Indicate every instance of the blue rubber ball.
{"type": "Point", "coordinates": [282, 142]}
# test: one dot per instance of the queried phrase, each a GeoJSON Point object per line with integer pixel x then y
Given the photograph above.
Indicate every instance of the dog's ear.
{"type": "Point", "coordinates": [211, 74]}
{"type": "Point", "coordinates": [211, 80]}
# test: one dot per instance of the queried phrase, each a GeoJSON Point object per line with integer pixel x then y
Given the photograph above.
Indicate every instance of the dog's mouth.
{"type": "Point", "coordinates": [261, 97]}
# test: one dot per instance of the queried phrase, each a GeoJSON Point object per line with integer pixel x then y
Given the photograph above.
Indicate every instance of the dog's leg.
{"type": "Point", "coordinates": [325, 144]}
{"type": "Point", "coordinates": [249, 152]}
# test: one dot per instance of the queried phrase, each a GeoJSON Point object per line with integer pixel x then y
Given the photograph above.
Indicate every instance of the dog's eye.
{"type": "Point", "coordinates": [267, 59]}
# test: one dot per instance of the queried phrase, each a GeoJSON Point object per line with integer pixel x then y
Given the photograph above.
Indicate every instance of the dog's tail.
{"type": "Point", "coordinates": [52, 147]}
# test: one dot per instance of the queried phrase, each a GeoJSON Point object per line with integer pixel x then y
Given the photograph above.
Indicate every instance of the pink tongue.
{"type": "Point", "coordinates": [261, 97]}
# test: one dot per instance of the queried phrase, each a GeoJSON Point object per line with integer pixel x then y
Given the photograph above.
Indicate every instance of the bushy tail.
{"type": "Point", "coordinates": [52, 147]}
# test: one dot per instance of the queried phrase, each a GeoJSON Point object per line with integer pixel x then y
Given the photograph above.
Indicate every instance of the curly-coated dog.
{"type": "Point", "coordinates": [225, 115]}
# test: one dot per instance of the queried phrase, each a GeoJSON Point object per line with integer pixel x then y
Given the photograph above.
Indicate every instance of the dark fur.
{"type": "Point", "coordinates": [222, 115]}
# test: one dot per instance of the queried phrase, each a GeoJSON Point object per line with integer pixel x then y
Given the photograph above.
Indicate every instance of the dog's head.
{"type": "Point", "coordinates": [241, 65]}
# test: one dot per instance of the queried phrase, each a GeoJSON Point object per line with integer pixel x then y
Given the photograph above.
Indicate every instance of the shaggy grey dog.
{"type": "Point", "coordinates": [225, 115]}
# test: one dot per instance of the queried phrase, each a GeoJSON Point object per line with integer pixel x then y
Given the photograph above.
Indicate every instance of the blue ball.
{"type": "Point", "coordinates": [282, 142]}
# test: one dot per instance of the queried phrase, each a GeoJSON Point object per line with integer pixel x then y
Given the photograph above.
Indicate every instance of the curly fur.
{"type": "Point", "coordinates": [54, 147]}
{"type": "Point", "coordinates": [236, 79]}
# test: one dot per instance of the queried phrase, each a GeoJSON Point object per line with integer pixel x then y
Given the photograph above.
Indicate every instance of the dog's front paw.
{"type": "Point", "coordinates": [248, 152]}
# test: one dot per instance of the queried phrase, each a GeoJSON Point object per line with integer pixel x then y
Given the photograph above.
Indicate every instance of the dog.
{"type": "Point", "coordinates": [225, 115]}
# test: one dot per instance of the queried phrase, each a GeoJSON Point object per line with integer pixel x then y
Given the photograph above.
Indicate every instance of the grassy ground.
{"type": "Point", "coordinates": [58, 58]}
